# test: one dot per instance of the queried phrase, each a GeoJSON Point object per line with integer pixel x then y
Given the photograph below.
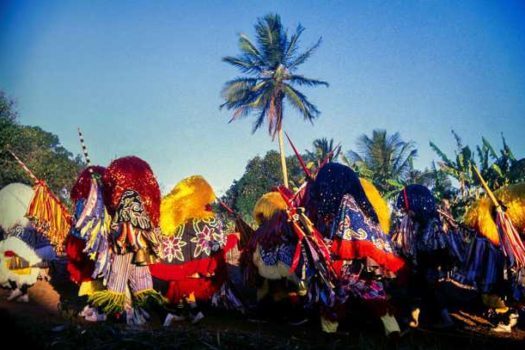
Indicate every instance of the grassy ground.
{"type": "Point", "coordinates": [49, 321]}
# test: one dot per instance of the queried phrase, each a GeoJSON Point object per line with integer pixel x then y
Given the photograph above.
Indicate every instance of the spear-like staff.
{"type": "Point", "coordinates": [308, 173]}
{"type": "Point", "coordinates": [84, 151]}
{"type": "Point", "coordinates": [25, 167]}
{"type": "Point", "coordinates": [510, 239]}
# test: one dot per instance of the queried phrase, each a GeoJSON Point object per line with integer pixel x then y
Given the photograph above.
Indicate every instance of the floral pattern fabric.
{"type": "Point", "coordinates": [196, 239]}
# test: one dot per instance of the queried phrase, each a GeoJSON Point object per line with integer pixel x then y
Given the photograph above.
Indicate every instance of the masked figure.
{"type": "Point", "coordinates": [132, 196]}
{"type": "Point", "coordinates": [362, 253]}
{"type": "Point", "coordinates": [193, 246]}
{"type": "Point", "coordinates": [87, 245]}
{"type": "Point", "coordinates": [23, 251]}
{"type": "Point", "coordinates": [431, 251]}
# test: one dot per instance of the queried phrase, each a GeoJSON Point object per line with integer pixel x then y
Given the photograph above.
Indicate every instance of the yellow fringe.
{"type": "Point", "coordinates": [142, 297]}
{"type": "Point", "coordinates": [108, 301]}
{"type": "Point", "coordinates": [267, 206]}
{"type": "Point", "coordinates": [379, 204]}
{"type": "Point", "coordinates": [480, 214]}
{"type": "Point", "coordinates": [49, 216]}
{"type": "Point", "coordinates": [186, 201]}
{"type": "Point", "coordinates": [329, 326]}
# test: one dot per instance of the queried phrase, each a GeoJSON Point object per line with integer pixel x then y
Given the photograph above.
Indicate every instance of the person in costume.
{"type": "Point", "coordinates": [489, 267]}
{"type": "Point", "coordinates": [362, 253]}
{"type": "Point", "coordinates": [132, 196]}
{"type": "Point", "coordinates": [268, 258]}
{"type": "Point", "coordinates": [87, 245]}
{"type": "Point", "coordinates": [23, 251]}
{"type": "Point", "coordinates": [193, 245]}
{"type": "Point", "coordinates": [430, 246]}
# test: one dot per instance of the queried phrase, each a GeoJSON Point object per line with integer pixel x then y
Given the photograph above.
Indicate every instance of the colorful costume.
{"type": "Point", "coordinates": [361, 251]}
{"type": "Point", "coordinates": [132, 195]}
{"type": "Point", "coordinates": [271, 248]}
{"type": "Point", "coordinates": [491, 266]}
{"type": "Point", "coordinates": [431, 252]}
{"type": "Point", "coordinates": [87, 245]}
{"type": "Point", "coordinates": [23, 250]}
{"type": "Point", "coordinates": [193, 244]}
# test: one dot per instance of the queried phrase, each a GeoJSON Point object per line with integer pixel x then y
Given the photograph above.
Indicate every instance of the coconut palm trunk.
{"type": "Point", "coordinates": [283, 158]}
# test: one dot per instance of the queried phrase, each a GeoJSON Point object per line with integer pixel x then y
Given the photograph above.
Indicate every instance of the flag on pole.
{"type": "Point", "coordinates": [49, 216]}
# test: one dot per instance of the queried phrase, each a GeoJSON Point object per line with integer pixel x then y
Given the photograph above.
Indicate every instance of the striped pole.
{"type": "Point", "coordinates": [84, 150]}
{"type": "Point", "coordinates": [27, 170]}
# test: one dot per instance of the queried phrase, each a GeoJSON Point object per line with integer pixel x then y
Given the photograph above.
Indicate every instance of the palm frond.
{"type": "Point", "coordinates": [440, 153]}
{"type": "Point", "coordinates": [301, 80]}
{"type": "Point", "coordinates": [300, 102]}
{"type": "Point", "coordinates": [292, 44]}
{"type": "Point", "coordinates": [261, 117]}
{"type": "Point", "coordinates": [304, 56]}
{"type": "Point", "coordinates": [249, 49]}
{"type": "Point", "coordinates": [271, 38]}
{"type": "Point", "coordinates": [489, 147]}
{"type": "Point", "coordinates": [244, 64]}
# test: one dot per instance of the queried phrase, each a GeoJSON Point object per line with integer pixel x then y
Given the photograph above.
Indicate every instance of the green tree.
{"type": "Point", "coordinates": [260, 176]}
{"type": "Point", "coordinates": [39, 149]}
{"type": "Point", "coordinates": [460, 168]}
{"type": "Point", "coordinates": [384, 159]}
{"type": "Point", "coordinates": [270, 66]}
{"type": "Point", "coordinates": [497, 169]}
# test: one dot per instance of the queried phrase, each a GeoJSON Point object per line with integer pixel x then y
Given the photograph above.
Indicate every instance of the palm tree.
{"type": "Point", "coordinates": [270, 66]}
{"type": "Point", "coordinates": [384, 159]}
{"type": "Point", "coordinates": [322, 149]}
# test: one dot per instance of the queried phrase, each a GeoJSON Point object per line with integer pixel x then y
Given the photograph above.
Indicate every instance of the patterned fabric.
{"type": "Point", "coordinates": [356, 236]}
{"type": "Point", "coordinates": [412, 240]}
{"type": "Point", "coordinates": [30, 236]}
{"type": "Point", "coordinates": [353, 225]}
{"type": "Point", "coordinates": [352, 283]}
{"type": "Point", "coordinates": [92, 225]}
{"type": "Point", "coordinates": [124, 272]}
{"type": "Point", "coordinates": [281, 253]}
{"type": "Point", "coordinates": [193, 259]}
{"type": "Point", "coordinates": [196, 239]}
{"type": "Point", "coordinates": [483, 268]}
{"type": "Point", "coordinates": [123, 275]}
{"type": "Point", "coordinates": [131, 227]}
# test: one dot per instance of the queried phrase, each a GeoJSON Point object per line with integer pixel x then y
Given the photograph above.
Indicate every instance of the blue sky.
{"type": "Point", "coordinates": [144, 77]}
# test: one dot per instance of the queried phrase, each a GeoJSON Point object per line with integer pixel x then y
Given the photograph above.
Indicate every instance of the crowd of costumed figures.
{"type": "Point", "coordinates": [332, 250]}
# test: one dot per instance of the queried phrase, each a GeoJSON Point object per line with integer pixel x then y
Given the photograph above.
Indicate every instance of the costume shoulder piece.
{"type": "Point", "coordinates": [189, 199]}
{"type": "Point", "coordinates": [380, 205]}
{"type": "Point", "coordinates": [480, 215]}
{"type": "Point", "coordinates": [267, 206]}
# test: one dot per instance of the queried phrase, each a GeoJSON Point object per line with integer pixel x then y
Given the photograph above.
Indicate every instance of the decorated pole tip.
{"type": "Point", "coordinates": [25, 167]}
{"type": "Point", "coordinates": [84, 151]}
